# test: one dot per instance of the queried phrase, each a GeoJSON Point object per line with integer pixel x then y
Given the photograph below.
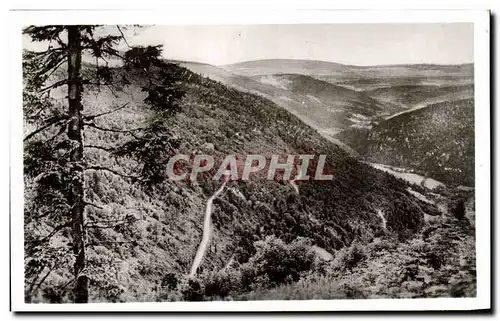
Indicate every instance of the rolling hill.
{"type": "Point", "coordinates": [325, 107]}
{"type": "Point", "coordinates": [412, 96]}
{"type": "Point", "coordinates": [360, 77]}
{"type": "Point", "coordinates": [290, 66]}
{"type": "Point", "coordinates": [355, 108]}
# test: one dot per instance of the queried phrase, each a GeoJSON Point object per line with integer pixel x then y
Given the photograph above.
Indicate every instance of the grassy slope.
{"type": "Point", "coordinates": [437, 140]}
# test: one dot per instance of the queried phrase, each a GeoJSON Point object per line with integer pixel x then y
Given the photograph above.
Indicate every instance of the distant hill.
{"type": "Point", "coordinates": [326, 108]}
{"type": "Point", "coordinates": [360, 77]}
{"type": "Point", "coordinates": [314, 67]}
{"type": "Point", "coordinates": [437, 141]}
{"type": "Point", "coordinates": [412, 96]}
{"type": "Point", "coordinates": [345, 107]}
{"type": "Point", "coordinates": [291, 66]}
{"type": "Point", "coordinates": [376, 82]}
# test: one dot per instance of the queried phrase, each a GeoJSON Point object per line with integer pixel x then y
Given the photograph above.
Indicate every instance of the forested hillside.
{"type": "Point", "coordinates": [437, 141]}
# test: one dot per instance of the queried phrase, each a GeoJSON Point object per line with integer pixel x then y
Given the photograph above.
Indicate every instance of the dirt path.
{"type": "Point", "coordinates": [206, 231]}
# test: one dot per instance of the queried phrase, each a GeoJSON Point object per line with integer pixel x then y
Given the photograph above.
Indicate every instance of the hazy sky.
{"type": "Point", "coordinates": [357, 44]}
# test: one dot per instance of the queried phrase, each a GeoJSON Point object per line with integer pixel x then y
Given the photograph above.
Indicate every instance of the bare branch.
{"type": "Point", "coordinates": [105, 113]}
{"type": "Point", "coordinates": [54, 122]}
{"type": "Point", "coordinates": [57, 67]}
{"type": "Point", "coordinates": [116, 54]}
{"type": "Point", "coordinates": [111, 89]}
{"type": "Point", "coordinates": [123, 36]}
{"type": "Point", "coordinates": [54, 232]}
{"type": "Point", "coordinates": [54, 85]}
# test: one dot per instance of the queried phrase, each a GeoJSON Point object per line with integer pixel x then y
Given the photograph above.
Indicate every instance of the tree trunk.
{"type": "Point", "coordinates": [76, 191]}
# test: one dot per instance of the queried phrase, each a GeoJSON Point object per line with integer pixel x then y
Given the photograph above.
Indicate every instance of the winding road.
{"type": "Point", "coordinates": [382, 217]}
{"type": "Point", "coordinates": [206, 231]}
{"type": "Point", "coordinates": [292, 182]}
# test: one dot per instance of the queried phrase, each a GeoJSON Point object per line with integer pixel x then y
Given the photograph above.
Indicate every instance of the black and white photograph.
{"type": "Point", "coordinates": [223, 164]}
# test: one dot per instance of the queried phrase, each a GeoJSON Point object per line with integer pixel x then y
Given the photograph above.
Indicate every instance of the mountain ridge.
{"type": "Point", "coordinates": [273, 60]}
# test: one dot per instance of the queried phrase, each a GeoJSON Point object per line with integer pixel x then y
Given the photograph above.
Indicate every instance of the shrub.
{"type": "Point", "coordinates": [193, 291]}
{"type": "Point", "coordinates": [282, 262]}
{"type": "Point", "coordinates": [352, 256]}
{"type": "Point", "coordinates": [170, 281]}
{"type": "Point", "coordinates": [222, 283]}
{"type": "Point", "coordinates": [274, 263]}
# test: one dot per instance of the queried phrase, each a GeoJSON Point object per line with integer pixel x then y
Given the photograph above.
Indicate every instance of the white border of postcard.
{"type": "Point", "coordinates": [210, 14]}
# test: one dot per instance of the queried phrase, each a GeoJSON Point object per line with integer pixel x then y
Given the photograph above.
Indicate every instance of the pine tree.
{"type": "Point", "coordinates": [55, 151]}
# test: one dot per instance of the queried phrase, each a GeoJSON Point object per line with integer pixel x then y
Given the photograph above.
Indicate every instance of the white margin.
{"type": "Point", "coordinates": [210, 14]}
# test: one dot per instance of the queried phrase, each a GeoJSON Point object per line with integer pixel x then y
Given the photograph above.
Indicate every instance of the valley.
{"type": "Point", "coordinates": [384, 114]}
{"type": "Point", "coordinates": [384, 218]}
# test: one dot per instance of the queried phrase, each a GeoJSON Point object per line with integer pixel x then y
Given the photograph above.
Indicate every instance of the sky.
{"type": "Point", "coordinates": [353, 44]}
{"type": "Point", "coordinates": [356, 44]}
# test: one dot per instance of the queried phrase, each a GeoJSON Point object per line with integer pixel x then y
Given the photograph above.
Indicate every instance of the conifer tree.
{"type": "Point", "coordinates": [54, 156]}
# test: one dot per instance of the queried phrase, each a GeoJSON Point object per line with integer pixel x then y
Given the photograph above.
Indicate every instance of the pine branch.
{"type": "Point", "coordinates": [40, 54]}
{"type": "Point", "coordinates": [54, 122]}
{"type": "Point", "coordinates": [114, 53]}
{"type": "Point", "coordinates": [102, 168]}
{"type": "Point", "coordinates": [123, 36]}
{"type": "Point", "coordinates": [92, 117]}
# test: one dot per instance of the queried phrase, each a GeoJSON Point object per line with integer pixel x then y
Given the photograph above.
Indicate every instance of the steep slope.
{"type": "Point", "coordinates": [437, 141]}
{"type": "Point", "coordinates": [136, 261]}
